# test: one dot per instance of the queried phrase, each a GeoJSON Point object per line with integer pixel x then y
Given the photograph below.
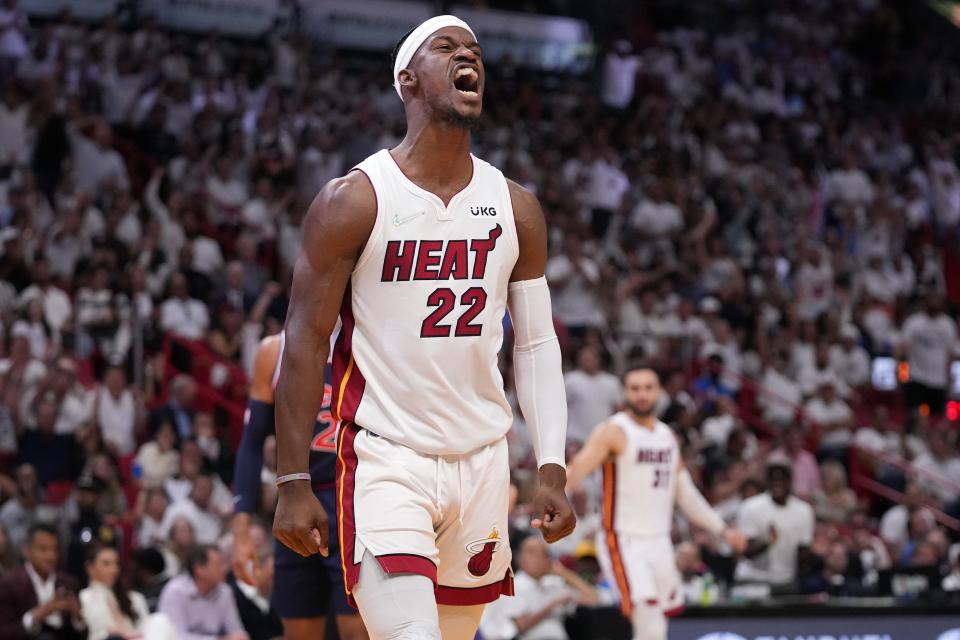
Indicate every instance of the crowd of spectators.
{"type": "Point", "coordinates": [750, 205]}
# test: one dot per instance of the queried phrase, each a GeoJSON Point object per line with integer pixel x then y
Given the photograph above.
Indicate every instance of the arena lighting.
{"type": "Point", "coordinates": [953, 411]}
{"type": "Point", "coordinates": [903, 372]}
{"type": "Point", "coordinates": [950, 9]}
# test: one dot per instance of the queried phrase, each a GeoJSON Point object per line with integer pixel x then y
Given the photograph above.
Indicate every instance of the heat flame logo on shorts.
{"type": "Point", "coordinates": [482, 553]}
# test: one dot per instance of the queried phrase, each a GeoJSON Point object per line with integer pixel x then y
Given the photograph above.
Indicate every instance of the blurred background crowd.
{"type": "Point", "coordinates": [762, 199]}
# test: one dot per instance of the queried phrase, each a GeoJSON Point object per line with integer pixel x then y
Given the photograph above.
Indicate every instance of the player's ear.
{"type": "Point", "coordinates": [407, 78]}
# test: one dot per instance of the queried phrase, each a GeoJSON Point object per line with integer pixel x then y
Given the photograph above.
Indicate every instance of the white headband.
{"type": "Point", "coordinates": [417, 37]}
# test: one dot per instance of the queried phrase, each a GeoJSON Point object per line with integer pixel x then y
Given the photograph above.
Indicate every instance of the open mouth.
{"type": "Point", "coordinates": [467, 81]}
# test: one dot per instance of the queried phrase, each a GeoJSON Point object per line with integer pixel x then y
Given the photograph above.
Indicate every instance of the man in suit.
{"type": "Point", "coordinates": [234, 292]}
{"type": "Point", "coordinates": [36, 600]}
{"type": "Point", "coordinates": [178, 409]}
{"type": "Point", "coordinates": [253, 602]}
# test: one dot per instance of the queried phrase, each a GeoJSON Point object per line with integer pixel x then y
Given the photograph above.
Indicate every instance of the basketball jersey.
{"type": "Point", "coordinates": [639, 485]}
{"type": "Point", "coordinates": [416, 360]}
{"type": "Point", "coordinates": [323, 445]}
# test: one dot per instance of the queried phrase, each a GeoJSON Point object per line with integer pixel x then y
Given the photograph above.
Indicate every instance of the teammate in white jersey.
{"type": "Point", "coordinates": [420, 250]}
{"type": "Point", "coordinates": [643, 476]}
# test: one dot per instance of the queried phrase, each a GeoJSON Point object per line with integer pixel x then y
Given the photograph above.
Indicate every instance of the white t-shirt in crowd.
{"type": "Point", "coordinates": [930, 343]}
{"type": "Point", "coordinates": [619, 79]}
{"type": "Point", "coordinates": [852, 366]}
{"type": "Point", "coordinates": [716, 430]}
{"type": "Point", "coordinates": [881, 284]}
{"type": "Point", "coordinates": [871, 439]}
{"type": "Point", "coordinates": [779, 397]}
{"type": "Point", "coordinates": [206, 525]}
{"type": "Point", "coordinates": [849, 185]}
{"type": "Point", "coordinates": [657, 219]}
{"type": "Point", "coordinates": [693, 328]}
{"type": "Point", "coordinates": [824, 412]}
{"type": "Point", "coordinates": [207, 257]}
{"type": "Point", "coordinates": [14, 134]}
{"type": "Point", "coordinates": [638, 327]}
{"type": "Point", "coordinates": [116, 417]}
{"type": "Point", "coordinates": [531, 596]}
{"type": "Point", "coordinates": [13, 42]}
{"type": "Point", "coordinates": [591, 399]}
{"type": "Point", "coordinates": [606, 186]}
{"type": "Point", "coordinates": [793, 523]}
{"type": "Point", "coordinates": [56, 304]}
{"type": "Point", "coordinates": [944, 476]}
{"type": "Point", "coordinates": [814, 289]}
{"type": "Point", "coordinates": [94, 167]}
{"type": "Point", "coordinates": [227, 194]}
{"type": "Point", "coordinates": [186, 318]}
{"type": "Point", "coordinates": [75, 409]}
{"type": "Point", "coordinates": [829, 413]}
{"type": "Point", "coordinates": [575, 304]}
{"type": "Point", "coordinates": [893, 525]}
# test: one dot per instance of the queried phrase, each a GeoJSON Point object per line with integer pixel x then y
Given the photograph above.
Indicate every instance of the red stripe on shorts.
{"type": "Point", "coordinates": [467, 596]}
{"type": "Point", "coordinates": [408, 563]}
{"type": "Point", "coordinates": [619, 573]}
{"type": "Point", "coordinates": [346, 481]}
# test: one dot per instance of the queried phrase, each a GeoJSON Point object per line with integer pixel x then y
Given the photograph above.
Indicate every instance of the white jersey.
{"type": "Point", "coordinates": [639, 485]}
{"type": "Point", "coordinates": [416, 361]}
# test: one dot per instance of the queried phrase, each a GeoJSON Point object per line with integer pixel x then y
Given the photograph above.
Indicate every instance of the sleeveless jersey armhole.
{"type": "Point", "coordinates": [371, 243]}
{"type": "Point", "coordinates": [511, 218]}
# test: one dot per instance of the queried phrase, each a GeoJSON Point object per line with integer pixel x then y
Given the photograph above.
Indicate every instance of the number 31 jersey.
{"type": "Point", "coordinates": [416, 360]}
{"type": "Point", "coordinates": [639, 485]}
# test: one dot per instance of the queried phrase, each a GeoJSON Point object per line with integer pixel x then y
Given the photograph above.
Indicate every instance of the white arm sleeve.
{"type": "Point", "coordinates": [538, 369]}
{"type": "Point", "coordinates": [695, 507]}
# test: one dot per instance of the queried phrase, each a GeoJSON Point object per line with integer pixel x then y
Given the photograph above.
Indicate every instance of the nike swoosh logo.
{"type": "Point", "coordinates": [397, 220]}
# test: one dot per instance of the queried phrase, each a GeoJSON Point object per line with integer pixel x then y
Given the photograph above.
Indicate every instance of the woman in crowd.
{"type": "Point", "coordinates": [113, 501]}
{"type": "Point", "coordinates": [110, 610]}
{"type": "Point", "coordinates": [182, 538]}
{"type": "Point", "coordinates": [157, 460]}
{"type": "Point", "coordinates": [834, 501]}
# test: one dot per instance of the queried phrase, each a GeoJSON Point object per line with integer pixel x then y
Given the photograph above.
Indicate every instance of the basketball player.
{"type": "Point", "coordinates": [420, 250]}
{"type": "Point", "coordinates": [643, 476]}
{"type": "Point", "coordinates": [305, 589]}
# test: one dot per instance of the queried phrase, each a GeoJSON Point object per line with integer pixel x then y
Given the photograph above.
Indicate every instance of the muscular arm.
{"type": "Point", "coordinates": [537, 358]}
{"type": "Point", "coordinates": [335, 231]}
{"type": "Point", "coordinates": [605, 441]}
{"type": "Point", "coordinates": [538, 366]}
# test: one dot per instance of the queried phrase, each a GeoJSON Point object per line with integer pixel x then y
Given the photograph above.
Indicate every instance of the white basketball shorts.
{"type": "Point", "coordinates": [643, 569]}
{"type": "Point", "coordinates": [443, 517]}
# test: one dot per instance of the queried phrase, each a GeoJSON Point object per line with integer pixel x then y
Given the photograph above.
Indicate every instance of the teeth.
{"type": "Point", "coordinates": [466, 72]}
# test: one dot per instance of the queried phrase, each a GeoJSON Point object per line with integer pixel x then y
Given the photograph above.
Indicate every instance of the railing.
{"type": "Point", "coordinates": [864, 482]}
{"type": "Point", "coordinates": [860, 480]}
{"type": "Point", "coordinates": [202, 361]}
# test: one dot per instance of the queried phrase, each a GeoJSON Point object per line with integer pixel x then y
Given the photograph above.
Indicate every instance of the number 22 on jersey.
{"type": "Point", "coordinates": [325, 433]}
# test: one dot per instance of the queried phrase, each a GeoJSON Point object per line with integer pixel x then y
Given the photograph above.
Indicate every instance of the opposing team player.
{"type": "Point", "coordinates": [305, 589]}
{"type": "Point", "coordinates": [420, 250]}
{"type": "Point", "coordinates": [643, 476]}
